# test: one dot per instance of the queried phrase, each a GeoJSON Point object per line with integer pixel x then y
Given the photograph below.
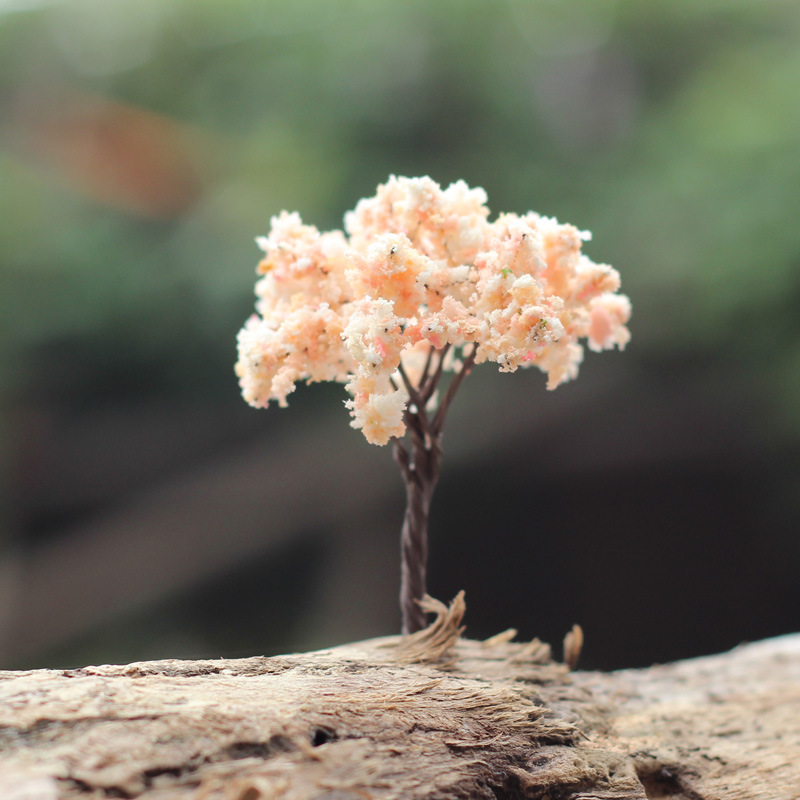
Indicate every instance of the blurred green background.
{"type": "Point", "coordinates": [146, 511]}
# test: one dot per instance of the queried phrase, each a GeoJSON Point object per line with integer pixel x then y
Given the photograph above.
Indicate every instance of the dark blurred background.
{"type": "Point", "coordinates": [146, 511]}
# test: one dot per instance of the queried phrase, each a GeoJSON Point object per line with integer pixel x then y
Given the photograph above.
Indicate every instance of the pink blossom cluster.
{"type": "Point", "coordinates": [421, 267]}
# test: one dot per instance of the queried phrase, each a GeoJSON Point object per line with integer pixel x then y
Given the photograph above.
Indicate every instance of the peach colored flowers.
{"type": "Point", "coordinates": [419, 267]}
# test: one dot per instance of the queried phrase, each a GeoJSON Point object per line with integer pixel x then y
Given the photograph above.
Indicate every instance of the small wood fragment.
{"type": "Point", "coordinates": [573, 645]}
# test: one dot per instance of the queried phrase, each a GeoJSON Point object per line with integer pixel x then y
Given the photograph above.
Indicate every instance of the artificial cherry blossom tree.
{"type": "Point", "coordinates": [421, 284]}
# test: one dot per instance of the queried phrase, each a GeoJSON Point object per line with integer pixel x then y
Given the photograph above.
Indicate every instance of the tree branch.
{"type": "Point", "coordinates": [426, 368]}
{"type": "Point", "coordinates": [430, 387]}
{"type": "Point", "coordinates": [410, 388]}
{"type": "Point", "coordinates": [438, 420]}
{"type": "Point", "coordinates": [401, 457]}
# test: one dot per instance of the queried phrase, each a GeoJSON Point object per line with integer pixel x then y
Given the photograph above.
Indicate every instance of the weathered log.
{"type": "Point", "coordinates": [431, 715]}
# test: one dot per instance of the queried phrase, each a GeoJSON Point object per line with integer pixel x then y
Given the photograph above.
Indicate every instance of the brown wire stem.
{"type": "Point", "coordinates": [420, 461]}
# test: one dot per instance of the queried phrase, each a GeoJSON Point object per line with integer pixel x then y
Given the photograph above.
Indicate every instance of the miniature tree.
{"type": "Point", "coordinates": [420, 284]}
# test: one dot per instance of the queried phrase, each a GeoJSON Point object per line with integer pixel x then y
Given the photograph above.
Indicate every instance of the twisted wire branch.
{"type": "Point", "coordinates": [420, 463]}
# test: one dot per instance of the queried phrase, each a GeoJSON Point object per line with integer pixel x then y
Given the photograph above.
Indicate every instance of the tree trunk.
{"type": "Point", "coordinates": [421, 477]}
{"type": "Point", "coordinates": [429, 715]}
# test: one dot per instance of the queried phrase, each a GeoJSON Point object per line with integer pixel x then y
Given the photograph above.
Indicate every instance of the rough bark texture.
{"type": "Point", "coordinates": [430, 715]}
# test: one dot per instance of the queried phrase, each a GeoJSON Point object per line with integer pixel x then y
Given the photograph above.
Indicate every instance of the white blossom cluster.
{"type": "Point", "coordinates": [419, 267]}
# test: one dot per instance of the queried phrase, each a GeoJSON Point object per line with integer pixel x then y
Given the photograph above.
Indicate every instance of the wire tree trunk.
{"type": "Point", "coordinates": [420, 461]}
{"type": "Point", "coordinates": [420, 484]}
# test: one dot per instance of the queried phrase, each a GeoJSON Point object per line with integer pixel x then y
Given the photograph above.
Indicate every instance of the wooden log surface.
{"type": "Point", "coordinates": [431, 715]}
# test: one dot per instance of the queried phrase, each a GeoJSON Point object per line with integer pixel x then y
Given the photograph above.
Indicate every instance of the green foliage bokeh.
{"type": "Point", "coordinates": [671, 130]}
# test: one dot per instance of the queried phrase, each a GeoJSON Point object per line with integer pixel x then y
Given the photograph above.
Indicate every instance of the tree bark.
{"type": "Point", "coordinates": [429, 715]}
